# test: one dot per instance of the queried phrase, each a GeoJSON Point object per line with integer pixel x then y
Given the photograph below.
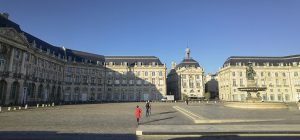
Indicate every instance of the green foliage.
{"type": "Point", "coordinates": [207, 95]}
{"type": "Point", "coordinates": [184, 97]}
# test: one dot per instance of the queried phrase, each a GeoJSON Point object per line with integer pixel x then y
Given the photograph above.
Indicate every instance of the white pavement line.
{"type": "Point", "coordinates": [191, 115]}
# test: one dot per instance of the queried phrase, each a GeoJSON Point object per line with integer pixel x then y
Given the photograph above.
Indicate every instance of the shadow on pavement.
{"type": "Point", "coordinates": [157, 120]}
{"type": "Point", "coordinates": [236, 137]}
{"type": "Point", "coordinates": [53, 135]}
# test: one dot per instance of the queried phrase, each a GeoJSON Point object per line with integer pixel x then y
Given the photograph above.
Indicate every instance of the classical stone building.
{"type": "Point", "coordinates": [279, 74]}
{"type": "Point", "coordinates": [34, 71]}
{"type": "Point", "coordinates": [186, 79]}
{"type": "Point", "coordinates": [135, 78]}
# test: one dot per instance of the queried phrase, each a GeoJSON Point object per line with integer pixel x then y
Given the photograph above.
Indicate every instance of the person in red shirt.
{"type": "Point", "coordinates": [138, 112]}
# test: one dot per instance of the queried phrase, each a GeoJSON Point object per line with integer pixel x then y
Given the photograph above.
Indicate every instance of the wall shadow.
{"type": "Point", "coordinates": [54, 135]}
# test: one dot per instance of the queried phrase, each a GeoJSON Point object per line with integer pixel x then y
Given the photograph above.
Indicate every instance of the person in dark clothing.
{"type": "Point", "coordinates": [147, 109]}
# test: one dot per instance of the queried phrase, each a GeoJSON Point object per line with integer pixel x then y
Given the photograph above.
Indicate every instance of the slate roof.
{"type": "Point", "coordinates": [262, 60]}
{"type": "Point", "coordinates": [188, 62]}
{"type": "Point", "coordinates": [132, 60]}
{"type": "Point", "coordinates": [77, 55]}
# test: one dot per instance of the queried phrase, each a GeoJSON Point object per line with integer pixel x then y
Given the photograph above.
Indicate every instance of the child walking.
{"type": "Point", "coordinates": [138, 112]}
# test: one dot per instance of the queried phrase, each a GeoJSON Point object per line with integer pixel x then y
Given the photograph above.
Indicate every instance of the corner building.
{"type": "Point", "coordinates": [279, 74]}
{"type": "Point", "coordinates": [34, 71]}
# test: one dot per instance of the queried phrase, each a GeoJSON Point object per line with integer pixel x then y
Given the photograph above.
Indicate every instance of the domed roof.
{"type": "Point", "coordinates": [188, 62]}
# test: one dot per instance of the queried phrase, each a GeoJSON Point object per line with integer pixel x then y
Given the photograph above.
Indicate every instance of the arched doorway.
{"type": "Point", "coordinates": [76, 96]}
{"type": "Point", "coordinates": [52, 94]}
{"type": "Point", "coordinates": [14, 94]}
{"type": "Point", "coordinates": [31, 91]}
{"type": "Point", "coordinates": [92, 97]}
{"type": "Point", "coordinates": [40, 91]}
{"type": "Point", "coordinates": [58, 94]}
{"type": "Point", "coordinates": [45, 95]}
{"type": "Point", "coordinates": [3, 87]}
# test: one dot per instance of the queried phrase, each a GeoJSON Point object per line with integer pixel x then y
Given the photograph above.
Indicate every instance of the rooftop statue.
{"type": "Point", "coordinates": [250, 72]}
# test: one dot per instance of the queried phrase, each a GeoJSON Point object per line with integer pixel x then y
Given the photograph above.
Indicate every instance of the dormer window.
{"type": "Point", "coordinates": [153, 63]}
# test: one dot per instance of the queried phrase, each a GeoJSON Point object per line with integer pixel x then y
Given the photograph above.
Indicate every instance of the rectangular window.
{"type": "Point", "coordinates": [161, 82]}
{"type": "Point", "coordinates": [153, 81]}
{"type": "Point", "coordinates": [160, 73]}
{"type": "Point", "coordinates": [146, 73]}
{"type": "Point", "coordinates": [153, 73]}
{"type": "Point", "coordinates": [234, 83]}
{"type": "Point", "coordinates": [233, 74]}
{"type": "Point", "coordinates": [296, 74]}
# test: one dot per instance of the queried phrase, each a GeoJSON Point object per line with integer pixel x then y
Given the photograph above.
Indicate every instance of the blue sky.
{"type": "Point", "coordinates": [215, 29]}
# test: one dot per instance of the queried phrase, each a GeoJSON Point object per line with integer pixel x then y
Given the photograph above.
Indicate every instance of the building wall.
{"type": "Point", "coordinates": [189, 81]}
{"type": "Point", "coordinates": [31, 75]}
{"type": "Point", "coordinates": [282, 82]}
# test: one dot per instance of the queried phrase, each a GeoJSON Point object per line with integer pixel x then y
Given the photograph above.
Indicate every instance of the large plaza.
{"type": "Point", "coordinates": [117, 121]}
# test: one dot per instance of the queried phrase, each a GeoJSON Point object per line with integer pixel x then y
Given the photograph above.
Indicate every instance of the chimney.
{"type": "Point", "coordinates": [6, 15]}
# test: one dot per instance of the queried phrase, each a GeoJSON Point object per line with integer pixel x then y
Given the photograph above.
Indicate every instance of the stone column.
{"type": "Point", "coordinates": [21, 95]}
{"type": "Point", "coordinates": [11, 60]}
{"type": "Point", "coordinates": [23, 70]}
{"type": "Point", "coordinates": [35, 93]}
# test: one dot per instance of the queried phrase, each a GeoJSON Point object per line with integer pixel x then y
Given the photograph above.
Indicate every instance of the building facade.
{"type": "Point", "coordinates": [186, 79]}
{"type": "Point", "coordinates": [212, 86]}
{"type": "Point", "coordinates": [34, 71]}
{"type": "Point", "coordinates": [279, 74]}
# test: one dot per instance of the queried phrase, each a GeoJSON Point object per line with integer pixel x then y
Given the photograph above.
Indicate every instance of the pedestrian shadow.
{"type": "Point", "coordinates": [163, 113]}
{"type": "Point", "coordinates": [157, 120]}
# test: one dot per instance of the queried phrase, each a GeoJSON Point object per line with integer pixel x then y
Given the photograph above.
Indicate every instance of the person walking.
{"type": "Point", "coordinates": [187, 101]}
{"type": "Point", "coordinates": [138, 112]}
{"type": "Point", "coordinates": [147, 109]}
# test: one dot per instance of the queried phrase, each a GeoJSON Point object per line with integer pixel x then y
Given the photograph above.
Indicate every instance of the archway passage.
{"type": "Point", "coordinates": [3, 87]}
{"type": "Point", "coordinates": [14, 95]}
{"type": "Point", "coordinates": [58, 95]}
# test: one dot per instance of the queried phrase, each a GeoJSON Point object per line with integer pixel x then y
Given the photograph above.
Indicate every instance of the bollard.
{"type": "Point", "coordinates": [37, 105]}
{"type": "Point", "coordinates": [215, 102]}
{"type": "Point", "coordinates": [299, 107]}
{"type": "Point", "coordinates": [20, 108]}
{"type": "Point", "coordinates": [0, 108]}
{"type": "Point", "coordinates": [15, 108]}
{"type": "Point", "coordinates": [207, 102]}
{"type": "Point", "coordinates": [52, 104]}
{"type": "Point", "coordinates": [49, 105]}
{"type": "Point", "coordinates": [43, 105]}
{"type": "Point", "coordinates": [175, 101]}
{"type": "Point", "coordinates": [9, 108]}
{"type": "Point", "coordinates": [26, 106]}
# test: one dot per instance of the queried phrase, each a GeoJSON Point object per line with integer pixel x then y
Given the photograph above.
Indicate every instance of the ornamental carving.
{"type": "Point", "coordinates": [12, 34]}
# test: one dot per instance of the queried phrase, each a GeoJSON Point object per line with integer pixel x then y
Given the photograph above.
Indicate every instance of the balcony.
{"type": "Point", "coordinates": [17, 75]}
{"type": "Point", "coordinates": [4, 74]}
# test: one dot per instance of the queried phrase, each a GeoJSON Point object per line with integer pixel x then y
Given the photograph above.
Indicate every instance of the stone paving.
{"type": "Point", "coordinates": [217, 111]}
{"type": "Point", "coordinates": [117, 120]}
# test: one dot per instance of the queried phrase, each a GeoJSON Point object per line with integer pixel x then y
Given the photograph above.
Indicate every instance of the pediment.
{"type": "Point", "coordinates": [12, 34]}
